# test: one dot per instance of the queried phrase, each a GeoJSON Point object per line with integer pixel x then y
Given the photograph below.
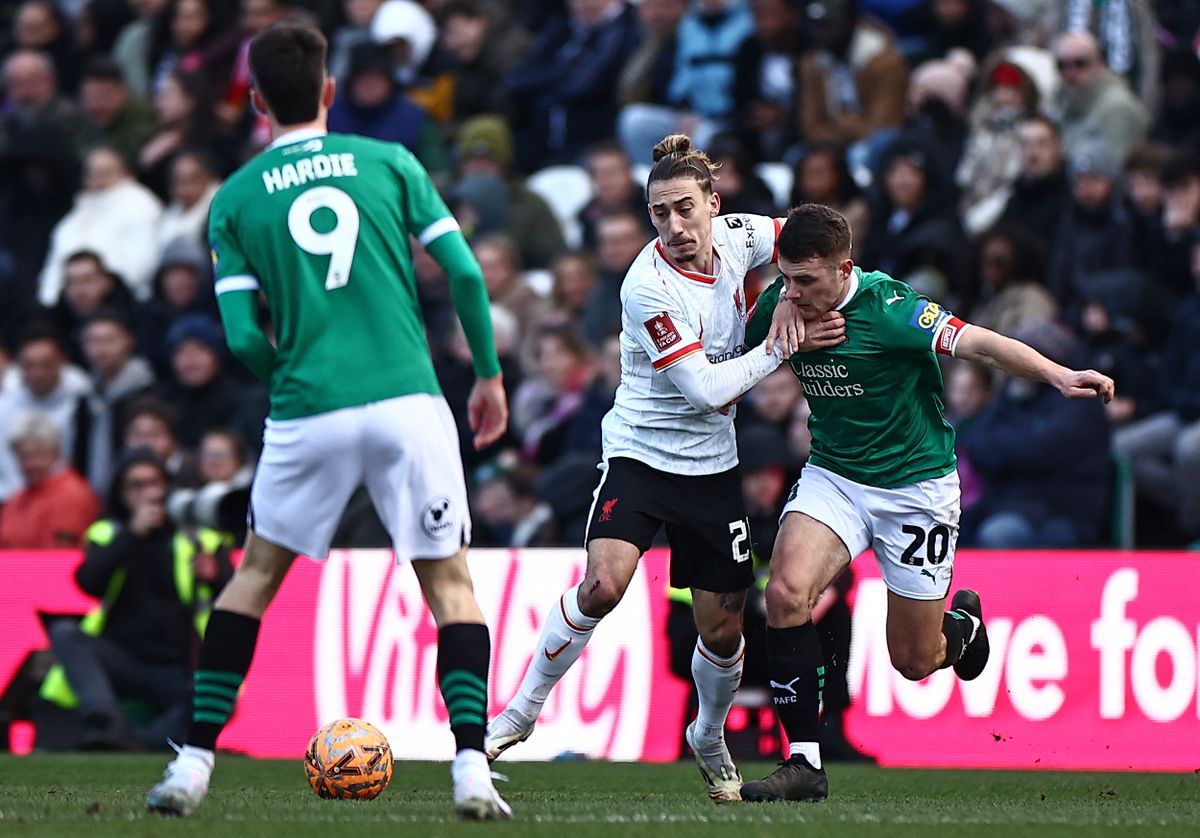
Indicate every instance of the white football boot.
{"type": "Point", "coordinates": [503, 732]}
{"type": "Point", "coordinates": [716, 766]}
{"type": "Point", "coordinates": [184, 783]}
{"type": "Point", "coordinates": [475, 797]}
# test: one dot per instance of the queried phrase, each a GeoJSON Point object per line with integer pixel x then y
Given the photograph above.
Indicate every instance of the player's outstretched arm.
{"type": "Point", "coordinates": [987, 347]}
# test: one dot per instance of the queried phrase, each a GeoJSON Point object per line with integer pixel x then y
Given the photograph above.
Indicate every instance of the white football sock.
{"type": "Point", "coordinates": [717, 681]}
{"type": "Point", "coordinates": [565, 634]}
{"type": "Point", "coordinates": [811, 751]}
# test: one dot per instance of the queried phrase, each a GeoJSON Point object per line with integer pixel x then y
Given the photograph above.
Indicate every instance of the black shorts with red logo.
{"type": "Point", "coordinates": [705, 518]}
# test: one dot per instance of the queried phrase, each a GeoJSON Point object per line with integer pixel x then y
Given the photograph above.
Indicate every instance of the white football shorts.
{"type": "Point", "coordinates": [913, 528]}
{"type": "Point", "coordinates": [405, 450]}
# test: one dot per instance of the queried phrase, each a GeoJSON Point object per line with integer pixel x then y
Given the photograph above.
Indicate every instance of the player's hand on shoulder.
{"type": "Point", "coordinates": [487, 410]}
{"type": "Point", "coordinates": [1086, 384]}
{"type": "Point", "coordinates": [825, 333]}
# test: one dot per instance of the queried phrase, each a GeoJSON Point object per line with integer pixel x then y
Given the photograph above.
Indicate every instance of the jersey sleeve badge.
{"type": "Point", "coordinates": [662, 331]}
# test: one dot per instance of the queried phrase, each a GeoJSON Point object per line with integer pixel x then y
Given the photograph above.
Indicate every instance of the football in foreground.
{"type": "Point", "coordinates": [349, 760]}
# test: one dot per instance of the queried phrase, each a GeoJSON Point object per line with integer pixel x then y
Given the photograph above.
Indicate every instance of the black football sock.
{"type": "Point", "coordinates": [797, 679]}
{"type": "Point", "coordinates": [463, 653]}
{"type": "Point", "coordinates": [958, 629]}
{"type": "Point", "coordinates": [225, 657]}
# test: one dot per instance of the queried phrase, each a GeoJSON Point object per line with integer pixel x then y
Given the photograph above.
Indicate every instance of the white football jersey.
{"type": "Point", "coordinates": [668, 314]}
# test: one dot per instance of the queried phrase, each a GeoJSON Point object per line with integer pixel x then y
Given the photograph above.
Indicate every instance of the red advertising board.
{"type": "Point", "coordinates": [1094, 660]}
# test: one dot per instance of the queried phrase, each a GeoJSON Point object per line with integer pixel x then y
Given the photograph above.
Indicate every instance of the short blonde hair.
{"type": "Point", "coordinates": [34, 427]}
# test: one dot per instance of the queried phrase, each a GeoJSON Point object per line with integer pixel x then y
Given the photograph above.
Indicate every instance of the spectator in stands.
{"type": "Point", "coordinates": [182, 285]}
{"type": "Point", "coordinates": [937, 105]}
{"type": "Point", "coordinates": [186, 118]}
{"type": "Point", "coordinates": [1164, 449]}
{"type": "Point", "coordinates": [505, 512]}
{"type": "Point", "coordinates": [204, 393]}
{"type": "Point", "coordinates": [563, 93]}
{"type": "Point", "coordinates": [917, 237]}
{"type": "Point", "coordinates": [501, 264]}
{"type": "Point", "coordinates": [480, 47]}
{"type": "Point", "coordinates": [1045, 460]}
{"type": "Point", "coordinates": [41, 25]}
{"type": "Point", "coordinates": [968, 392]}
{"type": "Point", "coordinates": [150, 423]}
{"type": "Point", "coordinates": [1041, 194]}
{"type": "Point", "coordinates": [852, 82]}
{"type": "Point", "coordinates": [742, 190]}
{"type": "Point", "coordinates": [1095, 104]}
{"type": "Point", "coordinates": [496, 201]}
{"type": "Point", "coordinates": [1096, 234]}
{"type": "Point", "coordinates": [157, 586]}
{"type": "Point", "coordinates": [546, 402]}
{"type": "Point", "coordinates": [354, 31]}
{"type": "Point", "coordinates": [88, 287]}
{"type": "Point", "coordinates": [620, 238]}
{"type": "Point", "coordinates": [118, 376]}
{"type": "Point", "coordinates": [1171, 269]}
{"type": "Point", "coordinates": [945, 25]}
{"type": "Point", "coordinates": [822, 177]}
{"type": "Point", "coordinates": [194, 37]}
{"type": "Point", "coordinates": [1126, 32]}
{"type": "Point", "coordinates": [1142, 191]}
{"type": "Point", "coordinates": [194, 180]}
{"type": "Point", "coordinates": [574, 278]}
{"type": "Point", "coordinates": [583, 437]}
{"type": "Point", "coordinates": [56, 505]}
{"type": "Point", "coordinates": [614, 190]}
{"type": "Point", "coordinates": [1012, 285]}
{"type": "Point", "coordinates": [39, 174]}
{"type": "Point", "coordinates": [991, 160]}
{"type": "Point", "coordinates": [646, 76]}
{"type": "Point", "coordinates": [221, 500]}
{"type": "Point", "coordinates": [115, 117]}
{"type": "Point", "coordinates": [701, 94]}
{"type": "Point", "coordinates": [131, 51]}
{"type": "Point", "coordinates": [116, 217]}
{"type": "Point", "coordinates": [48, 385]}
{"type": "Point", "coordinates": [372, 105]}
{"type": "Point", "coordinates": [35, 105]}
{"type": "Point", "coordinates": [1177, 121]}
{"type": "Point", "coordinates": [766, 87]}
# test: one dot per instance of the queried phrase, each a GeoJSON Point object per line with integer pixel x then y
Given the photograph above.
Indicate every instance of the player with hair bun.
{"type": "Point", "coordinates": [669, 452]}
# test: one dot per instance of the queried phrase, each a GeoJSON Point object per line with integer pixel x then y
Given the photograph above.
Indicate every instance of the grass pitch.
{"type": "Point", "coordinates": [101, 795]}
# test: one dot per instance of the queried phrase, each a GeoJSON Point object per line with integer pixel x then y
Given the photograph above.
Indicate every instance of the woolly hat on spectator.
{"type": "Point", "coordinates": [187, 252]}
{"type": "Point", "coordinates": [1048, 337]}
{"type": "Point", "coordinates": [1092, 157]}
{"type": "Point", "coordinates": [405, 20]}
{"type": "Point", "coordinates": [486, 136]}
{"type": "Point", "coordinates": [195, 327]}
{"type": "Point", "coordinates": [946, 79]}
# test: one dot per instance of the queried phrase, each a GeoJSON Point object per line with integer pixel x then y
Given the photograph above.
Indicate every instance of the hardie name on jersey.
{"type": "Point", "coordinates": [814, 378]}
{"type": "Point", "coordinates": [317, 167]}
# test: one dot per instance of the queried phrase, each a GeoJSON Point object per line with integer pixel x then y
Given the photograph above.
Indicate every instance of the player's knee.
{"type": "Point", "coordinates": [721, 637]}
{"type": "Point", "coordinates": [788, 603]}
{"type": "Point", "coordinates": [599, 596]}
{"type": "Point", "coordinates": [913, 663]}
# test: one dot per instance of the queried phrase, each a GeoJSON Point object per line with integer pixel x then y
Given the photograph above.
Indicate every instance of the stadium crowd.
{"type": "Point", "coordinates": [1031, 164]}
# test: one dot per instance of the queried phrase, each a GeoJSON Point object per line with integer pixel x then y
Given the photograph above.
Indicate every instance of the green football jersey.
{"type": "Point", "coordinates": [877, 413]}
{"type": "Point", "coordinates": [321, 223]}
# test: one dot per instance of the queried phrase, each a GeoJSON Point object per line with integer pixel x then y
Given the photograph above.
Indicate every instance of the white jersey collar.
{"type": "Point", "coordinates": [851, 289]}
{"type": "Point", "coordinates": [299, 135]}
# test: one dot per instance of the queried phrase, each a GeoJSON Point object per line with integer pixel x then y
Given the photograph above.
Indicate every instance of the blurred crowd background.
{"type": "Point", "coordinates": [1031, 164]}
